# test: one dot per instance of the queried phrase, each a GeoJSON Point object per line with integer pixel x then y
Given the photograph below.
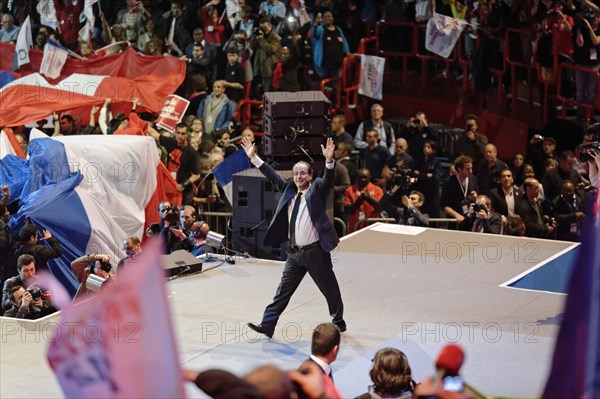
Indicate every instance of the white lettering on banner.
{"type": "Point", "coordinates": [371, 80]}
{"type": "Point", "coordinates": [442, 34]}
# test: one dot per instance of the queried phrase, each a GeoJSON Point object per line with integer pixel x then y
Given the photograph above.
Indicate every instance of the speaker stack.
{"type": "Point", "coordinates": [295, 125]}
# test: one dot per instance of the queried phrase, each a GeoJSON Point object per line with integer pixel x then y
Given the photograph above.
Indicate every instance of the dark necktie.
{"type": "Point", "coordinates": [330, 375]}
{"type": "Point", "coordinates": [293, 220]}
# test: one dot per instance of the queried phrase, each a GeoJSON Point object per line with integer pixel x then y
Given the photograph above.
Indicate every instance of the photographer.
{"type": "Point", "coordinates": [25, 277]}
{"type": "Point", "coordinates": [362, 200]}
{"type": "Point", "coordinates": [28, 304]}
{"type": "Point", "coordinates": [410, 214]}
{"type": "Point", "coordinates": [87, 265]}
{"type": "Point", "coordinates": [481, 217]}
{"type": "Point", "coordinates": [415, 132]}
{"type": "Point", "coordinates": [176, 229]}
{"type": "Point", "coordinates": [132, 247]}
{"type": "Point", "coordinates": [266, 46]}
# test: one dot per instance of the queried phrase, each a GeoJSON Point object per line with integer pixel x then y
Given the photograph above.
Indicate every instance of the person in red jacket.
{"type": "Point", "coordinates": [67, 16]}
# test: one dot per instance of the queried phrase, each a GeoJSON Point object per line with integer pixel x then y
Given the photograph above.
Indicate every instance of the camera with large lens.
{"type": "Point", "coordinates": [258, 32]}
{"type": "Point", "coordinates": [584, 150]}
{"type": "Point", "coordinates": [172, 216]}
{"type": "Point", "coordinates": [35, 292]}
{"type": "Point", "coordinates": [403, 178]}
{"type": "Point", "coordinates": [478, 207]}
{"type": "Point", "coordinates": [106, 266]}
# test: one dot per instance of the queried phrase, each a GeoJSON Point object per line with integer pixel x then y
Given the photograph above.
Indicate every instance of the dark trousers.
{"type": "Point", "coordinates": [317, 263]}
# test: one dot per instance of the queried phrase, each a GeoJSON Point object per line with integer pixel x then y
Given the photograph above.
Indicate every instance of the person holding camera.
{"type": "Point", "coordinates": [25, 277]}
{"type": "Point", "coordinates": [410, 213]}
{"type": "Point", "coordinates": [416, 132]}
{"type": "Point", "coordinates": [482, 218]}
{"type": "Point", "coordinates": [537, 224]}
{"type": "Point", "coordinates": [265, 44]}
{"type": "Point", "coordinates": [91, 265]}
{"type": "Point", "coordinates": [362, 200]}
{"type": "Point", "coordinates": [472, 143]}
{"type": "Point", "coordinates": [28, 303]}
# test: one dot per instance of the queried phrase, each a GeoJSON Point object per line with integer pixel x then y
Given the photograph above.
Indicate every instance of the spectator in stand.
{"type": "Point", "coordinates": [537, 223]}
{"type": "Point", "coordinates": [181, 32]}
{"type": "Point", "coordinates": [471, 143]}
{"type": "Point", "coordinates": [410, 212]}
{"type": "Point", "coordinates": [415, 132]}
{"type": "Point", "coordinates": [216, 33]}
{"type": "Point", "coordinates": [505, 197]}
{"type": "Point", "coordinates": [516, 167]}
{"type": "Point", "coordinates": [561, 26]}
{"type": "Point", "coordinates": [362, 200]}
{"type": "Point", "coordinates": [338, 130]}
{"type": "Point", "coordinates": [539, 149]}
{"type": "Point", "coordinates": [9, 31]}
{"type": "Point", "coordinates": [215, 109]}
{"type": "Point", "coordinates": [197, 38]}
{"type": "Point", "coordinates": [482, 218]}
{"type": "Point", "coordinates": [568, 207]}
{"type": "Point", "coordinates": [235, 77]}
{"type": "Point", "coordinates": [375, 157]}
{"type": "Point", "coordinates": [285, 75]}
{"type": "Point", "coordinates": [247, 22]}
{"type": "Point", "coordinates": [341, 182]}
{"type": "Point", "coordinates": [385, 130]}
{"type": "Point", "coordinates": [150, 33]}
{"type": "Point", "coordinates": [324, 347]}
{"type": "Point", "coordinates": [459, 190]}
{"type": "Point", "coordinates": [132, 19]}
{"type": "Point", "coordinates": [587, 39]}
{"type": "Point", "coordinates": [329, 46]}
{"type": "Point", "coordinates": [272, 9]}
{"type": "Point", "coordinates": [488, 176]}
{"type": "Point", "coordinates": [64, 126]}
{"type": "Point", "coordinates": [400, 160]}
{"type": "Point", "coordinates": [342, 155]}
{"type": "Point", "coordinates": [554, 178]}
{"type": "Point", "coordinates": [198, 64]}
{"type": "Point", "coordinates": [224, 141]}
{"type": "Point", "coordinates": [67, 16]}
{"type": "Point", "coordinates": [428, 172]}
{"type": "Point", "coordinates": [391, 376]}
{"type": "Point", "coordinates": [183, 160]}
{"type": "Point", "coordinates": [515, 226]}
{"type": "Point", "coordinates": [266, 45]}
{"type": "Point", "coordinates": [30, 244]}
{"type": "Point", "coordinates": [153, 48]}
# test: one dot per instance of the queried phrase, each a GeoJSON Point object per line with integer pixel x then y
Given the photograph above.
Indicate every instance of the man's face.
{"type": "Point", "coordinates": [328, 18]}
{"type": "Point", "coordinates": [27, 271]}
{"type": "Point", "coordinates": [66, 126]}
{"type": "Point", "coordinates": [176, 10]}
{"type": "Point", "coordinates": [377, 112]}
{"type": "Point", "coordinates": [490, 153]}
{"type": "Point", "coordinates": [130, 248]}
{"type": "Point", "coordinates": [415, 200]}
{"type": "Point", "coordinates": [549, 147]}
{"type": "Point", "coordinates": [266, 27]}
{"type": "Point", "coordinates": [364, 177]}
{"type": "Point", "coordinates": [18, 295]}
{"type": "Point", "coordinates": [338, 153]}
{"type": "Point", "coordinates": [567, 164]}
{"type": "Point", "coordinates": [197, 52]}
{"type": "Point", "coordinates": [164, 208]}
{"type": "Point", "coordinates": [218, 88]}
{"type": "Point", "coordinates": [533, 190]}
{"type": "Point", "coordinates": [248, 134]}
{"type": "Point", "coordinates": [336, 124]}
{"type": "Point", "coordinates": [401, 147]}
{"type": "Point", "coordinates": [372, 138]}
{"type": "Point", "coordinates": [302, 176]}
{"type": "Point", "coordinates": [186, 218]}
{"type": "Point", "coordinates": [197, 126]}
{"type": "Point", "coordinates": [181, 135]}
{"type": "Point", "coordinates": [198, 35]}
{"type": "Point", "coordinates": [7, 22]}
{"type": "Point", "coordinates": [506, 178]}
{"type": "Point", "coordinates": [467, 170]}
{"type": "Point", "coordinates": [568, 191]}
{"type": "Point", "coordinates": [471, 125]}
{"type": "Point", "coordinates": [232, 58]}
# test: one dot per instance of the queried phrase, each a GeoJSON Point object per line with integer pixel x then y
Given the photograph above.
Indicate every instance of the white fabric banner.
{"type": "Point", "coordinates": [371, 76]}
{"type": "Point", "coordinates": [47, 13]}
{"type": "Point", "coordinates": [443, 33]}
{"type": "Point", "coordinates": [54, 59]}
{"type": "Point", "coordinates": [24, 43]}
{"type": "Point", "coordinates": [90, 20]}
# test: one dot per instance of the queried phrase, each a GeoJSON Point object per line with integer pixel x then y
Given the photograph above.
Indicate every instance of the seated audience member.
{"type": "Point", "coordinates": [460, 189]}
{"type": "Point", "coordinates": [554, 178]}
{"type": "Point", "coordinates": [537, 224]}
{"type": "Point", "coordinates": [415, 132]}
{"type": "Point", "coordinates": [375, 157]}
{"type": "Point", "coordinates": [30, 244]}
{"type": "Point", "coordinates": [384, 129]}
{"type": "Point", "coordinates": [489, 170]}
{"type": "Point", "coordinates": [410, 214]}
{"type": "Point", "coordinates": [216, 110]}
{"type": "Point", "coordinates": [481, 217]}
{"type": "Point", "coordinates": [28, 304]}
{"type": "Point", "coordinates": [506, 196]}
{"type": "Point", "coordinates": [568, 208]}
{"type": "Point", "coordinates": [362, 200]}
{"type": "Point", "coordinates": [391, 376]}
{"type": "Point", "coordinates": [132, 247]}
{"type": "Point", "coordinates": [25, 277]}
{"type": "Point", "coordinates": [86, 266]}
{"type": "Point", "coordinates": [324, 348]}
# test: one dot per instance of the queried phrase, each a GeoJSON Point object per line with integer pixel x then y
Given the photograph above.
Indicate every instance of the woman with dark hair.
{"type": "Point", "coordinates": [391, 376]}
{"type": "Point", "coordinates": [429, 171]}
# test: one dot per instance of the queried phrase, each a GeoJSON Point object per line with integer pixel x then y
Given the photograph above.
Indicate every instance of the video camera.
{"type": "Point", "coordinates": [584, 150]}
{"type": "Point", "coordinates": [172, 216]}
{"type": "Point", "coordinates": [404, 178]}
{"type": "Point", "coordinates": [478, 207]}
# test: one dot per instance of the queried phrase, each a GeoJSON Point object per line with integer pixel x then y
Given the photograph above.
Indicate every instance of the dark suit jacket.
{"type": "Point", "coordinates": [316, 198]}
{"type": "Point", "coordinates": [491, 225]}
{"type": "Point", "coordinates": [499, 199]}
{"type": "Point", "coordinates": [533, 228]}
{"type": "Point", "coordinates": [453, 195]}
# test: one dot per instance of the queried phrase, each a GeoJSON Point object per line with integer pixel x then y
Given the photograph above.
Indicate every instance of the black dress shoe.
{"type": "Point", "coordinates": [341, 326]}
{"type": "Point", "coordinates": [259, 328]}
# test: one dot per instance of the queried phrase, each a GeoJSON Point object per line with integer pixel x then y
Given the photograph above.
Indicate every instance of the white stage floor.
{"type": "Point", "coordinates": [415, 292]}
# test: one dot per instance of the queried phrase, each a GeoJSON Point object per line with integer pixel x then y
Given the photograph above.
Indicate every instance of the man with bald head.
{"type": "Point", "coordinates": [568, 207]}
{"type": "Point", "coordinates": [488, 176]}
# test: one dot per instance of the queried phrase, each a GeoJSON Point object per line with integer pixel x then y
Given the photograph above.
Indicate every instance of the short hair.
{"type": "Point", "coordinates": [432, 144]}
{"type": "Point", "coordinates": [134, 240]}
{"type": "Point", "coordinates": [485, 199]}
{"type": "Point", "coordinates": [310, 169]}
{"type": "Point", "coordinates": [473, 117]}
{"type": "Point", "coordinates": [181, 125]}
{"type": "Point", "coordinates": [232, 50]}
{"type": "Point", "coordinates": [345, 147]}
{"type": "Point", "coordinates": [341, 118]}
{"type": "Point", "coordinates": [189, 208]}
{"type": "Point", "coordinates": [376, 105]}
{"type": "Point", "coordinates": [325, 337]}
{"type": "Point", "coordinates": [24, 260]}
{"type": "Point", "coordinates": [461, 161]}
{"type": "Point", "coordinates": [27, 232]}
{"type": "Point", "coordinates": [68, 117]}
{"type": "Point", "coordinates": [198, 45]}
{"type": "Point", "coordinates": [529, 182]}
{"type": "Point", "coordinates": [264, 20]}
{"type": "Point", "coordinates": [391, 373]}
{"type": "Point", "coordinates": [566, 155]}
{"type": "Point", "coordinates": [372, 130]}
{"type": "Point", "coordinates": [418, 194]}
{"type": "Point", "coordinates": [13, 290]}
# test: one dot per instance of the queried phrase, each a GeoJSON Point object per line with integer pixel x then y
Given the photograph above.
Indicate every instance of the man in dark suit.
{"type": "Point", "coordinates": [481, 217]}
{"type": "Point", "coordinates": [530, 209]}
{"type": "Point", "coordinates": [505, 197]}
{"type": "Point", "coordinates": [301, 219]}
{"type": "Point", "coordinates": [324, 347]}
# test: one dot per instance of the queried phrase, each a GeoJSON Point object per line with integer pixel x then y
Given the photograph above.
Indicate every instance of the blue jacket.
{"type": "Point", "coordinates": [225, 116]}
{"type": "Point", "coordinates": [316, 35]}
